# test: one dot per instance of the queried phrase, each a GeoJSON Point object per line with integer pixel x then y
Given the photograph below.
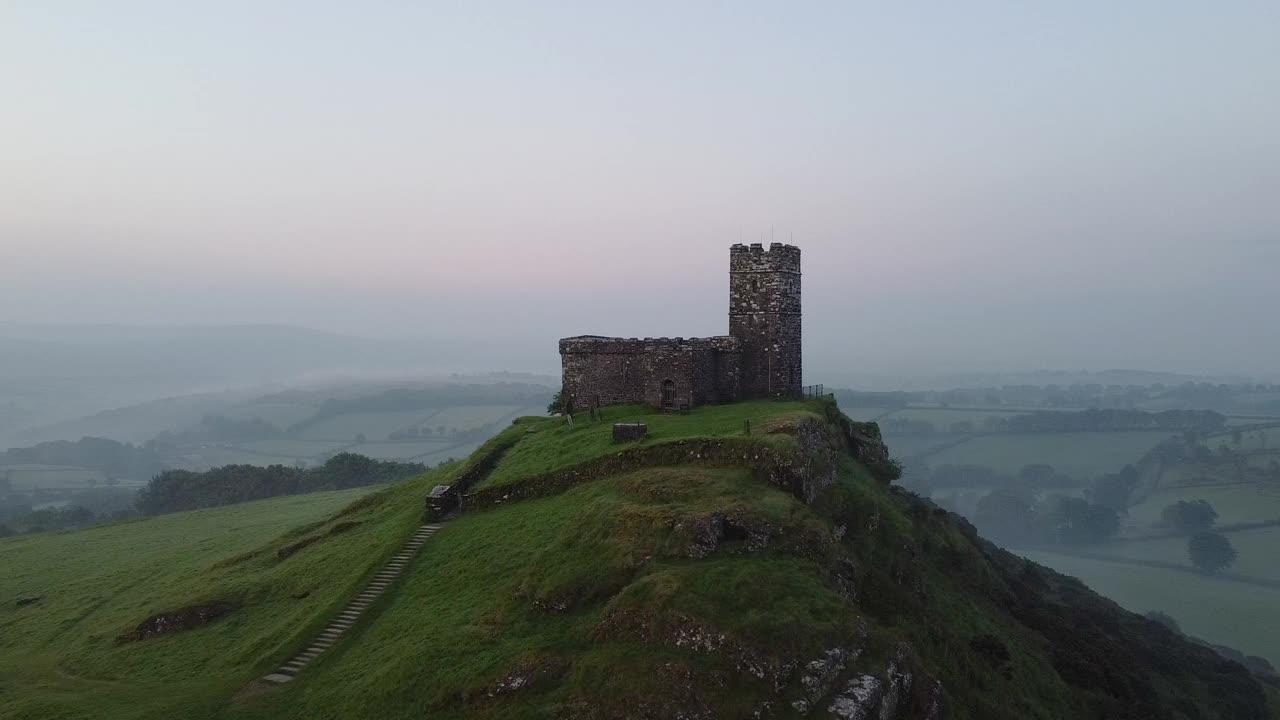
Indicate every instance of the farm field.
{"type": "Point", "coordinates": [374, 426]}
{"type": "Point", "coordinates": [32, 477]}
{"type": "Point", "coordinates": [905, 446]}
{"type": "Point", "coordinates": [467, 417]}
{"type": "Point", "coordinates": [1239, 503]}
{"type": "Point", "coordinates": [282, 415]}
{"type": "Point", "coordinates": [865, 414]}
{"type": "Point", "coordinates": [1257, 548]}
{"type": "Point", "coordinates": [401, 450]}
{"type": "Point", "coordinates": [1079, 454]}
{"type": "Point", "coordinates": [943, 418]}
{"type": "Point", "coordinates": [285, 447]}
{"type": "Point", "coordinates": [1221, 611]}
{"type": "Point", "coordinates": [210, 457]}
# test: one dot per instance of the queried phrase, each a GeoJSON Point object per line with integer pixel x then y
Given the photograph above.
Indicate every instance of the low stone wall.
{"type": "Point", "coordinates": [801, 470]}
{"type": "Point", "coordinates": [445, 498]}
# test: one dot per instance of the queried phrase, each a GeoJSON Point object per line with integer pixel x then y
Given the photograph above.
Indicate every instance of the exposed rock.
{"type": "Point", "coordinates": [846, 578]}
{"type": "Point", "coordinates": [933, 708]}
{"type": "Point", "coordinates": [820, 674]}
{"type": "Point", "coordinates": [897, 683]}
{"type": "Point", "coordinates": [858, 699]}
{"type": "Point", "coordinates": [173, 621]}
{"type": "Point", "coordinates": [526, 673]}
{"type": "Point", "coordinates": [709, 531]}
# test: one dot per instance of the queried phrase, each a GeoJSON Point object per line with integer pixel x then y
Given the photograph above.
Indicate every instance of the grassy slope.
{"type": "Point", "coordinates": [555, 445]}
{"type": "Point", "coordinates": [598, 597]}
{"type": "Point", "coordinates": [59, 658]}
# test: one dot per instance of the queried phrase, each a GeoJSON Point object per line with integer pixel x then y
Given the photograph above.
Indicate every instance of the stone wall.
{"type": "Point", "coordinates": [616, 370]}
{"type": "Point", "coordinates": [760, 357]}
{"type": "Point", "coordinates": [764, 314]}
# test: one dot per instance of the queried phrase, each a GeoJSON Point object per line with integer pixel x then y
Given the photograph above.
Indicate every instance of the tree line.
{"type": "Point", "coordinates": [179, 490]}
{"type": "Point", "coordinates": [1093, 420]}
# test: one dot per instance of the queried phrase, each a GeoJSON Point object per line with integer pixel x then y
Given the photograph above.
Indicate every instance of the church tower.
{"type": "Point", "coordinates": [764, 314]}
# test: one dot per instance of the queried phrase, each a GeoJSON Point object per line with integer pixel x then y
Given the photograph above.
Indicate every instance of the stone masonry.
{"type": "Point", "coordinates": [760, 357]}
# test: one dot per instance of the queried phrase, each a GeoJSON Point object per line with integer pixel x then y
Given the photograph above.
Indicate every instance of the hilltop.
{"type": "Point", "coordinates": [746, 560]}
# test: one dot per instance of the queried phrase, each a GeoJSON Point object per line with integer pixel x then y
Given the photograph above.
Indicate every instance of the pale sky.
{"type": "Point", "coordinates": [977, 185]}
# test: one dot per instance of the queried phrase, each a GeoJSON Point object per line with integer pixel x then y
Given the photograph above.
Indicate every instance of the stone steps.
{"type": "Point", "coordinates": [347, 617]}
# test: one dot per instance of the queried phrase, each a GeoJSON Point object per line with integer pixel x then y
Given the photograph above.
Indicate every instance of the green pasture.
{"type": "Point", "coordinates": [1078, 454]}
{"type": "Point", "coordinates": [402, 450]}
{"type": "Point", "coordinates": [51, 477]}
{"type": "Point", "coordinates": [1238, 503]}
{"type": "Point", "coordinates": [553, 444]}
{"type": "Point", "coordinates": [374, 426]}
{"type": "Point", "coordinates": [911, 445]}
{"type": "Point", "coordinates": [60, 656]}
{"type": "Point", "coordinates": [943, 418]}
{"type": "Point", "coordinates": [469, 417]}
{"type": "Point", "coordinates": [1241, 616]}
{"type": "Point", "coordinates": [284, 447]}
{"type": "Point", "coordinates": [282, 415]}
{"type": "Point", "coordinates": [1259, 550]}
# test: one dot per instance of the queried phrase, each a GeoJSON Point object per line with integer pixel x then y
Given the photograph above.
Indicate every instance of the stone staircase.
{"type": "Point", "coordinates": [348, 616]}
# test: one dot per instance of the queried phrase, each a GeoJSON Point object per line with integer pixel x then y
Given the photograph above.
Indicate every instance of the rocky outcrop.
{"type": "Point", "coordinates": [173, 621]}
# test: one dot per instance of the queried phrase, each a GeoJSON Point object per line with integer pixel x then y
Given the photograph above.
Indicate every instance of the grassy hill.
{"type": "Point", "coordinates": [688, 575]}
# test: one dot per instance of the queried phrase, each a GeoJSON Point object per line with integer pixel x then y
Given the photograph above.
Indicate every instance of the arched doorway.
{"type": "Point", "coordinates": [668, 393]}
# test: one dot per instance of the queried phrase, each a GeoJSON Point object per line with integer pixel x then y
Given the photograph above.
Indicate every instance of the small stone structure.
{"type": "Point", "coordinates": [629, 432]}
{"type": "Point", "coordinates": [759, 358]}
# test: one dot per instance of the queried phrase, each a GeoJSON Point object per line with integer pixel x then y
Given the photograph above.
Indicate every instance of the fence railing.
{"type": "Point", "coordinates": [813, 391]}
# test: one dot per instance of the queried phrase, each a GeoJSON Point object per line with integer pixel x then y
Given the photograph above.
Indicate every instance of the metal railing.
{"type": "Point", "coordinates": [812, 391]}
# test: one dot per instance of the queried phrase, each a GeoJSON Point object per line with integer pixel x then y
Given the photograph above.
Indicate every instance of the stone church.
{"type": "Point", "coordinates": [759, 358]}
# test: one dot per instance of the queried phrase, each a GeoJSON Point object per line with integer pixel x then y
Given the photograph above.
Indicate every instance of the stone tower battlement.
{"type": "Point", "coordinates": [764, 314]}
{"type": "Point", "coordinates": [759, 358]}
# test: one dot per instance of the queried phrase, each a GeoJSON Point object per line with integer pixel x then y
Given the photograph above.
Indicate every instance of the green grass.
{"type": "Point", "coordinates": [282, 415]}
{"type": "Point", "coordinates": [59, 657]}
{"type": "Point", "coordinates": [373, 425]}
{"type": "Point", "coordinates": [284, 447]}
{"type": "Point", "coordinates": [554, 445]}
{"type": "Point", "coordinates": [32, 477]}
{"type": "Point", "coordinates": [1240, 503]}
{"type": "Point", "coordinates": [472, 622]}
{"type": "Point", "coordinates": [1241, 616]}
{"type": "Point", "coordinates": [943, 418]}
{"type": "Point", "coordinates": [1258, 550]}
{"type": "Point", "coordinates": [1079, 454]}
{"type": "Point", "coordinates": [466, 417]}
{"type": "Point", "coordinates": [648, 593]}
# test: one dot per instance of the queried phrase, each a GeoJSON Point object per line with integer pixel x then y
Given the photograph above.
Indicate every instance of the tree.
{"type": "Point", "coordinates": [1114, 491]}
{"type": "Point", "coordinates": [1007, 515]}
{"type": "Point", "coordinates": [1211, 552]}
{"type": "Point", "coordinates": [556, 406]}
{"type": "Point", "coordinates": [1189, 517]}
{"type": "Point", "coordinates": [1072, 520]}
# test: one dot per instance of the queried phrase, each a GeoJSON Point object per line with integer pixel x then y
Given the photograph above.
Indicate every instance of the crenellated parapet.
{"type": "Point", "coordinates": [760, 357]}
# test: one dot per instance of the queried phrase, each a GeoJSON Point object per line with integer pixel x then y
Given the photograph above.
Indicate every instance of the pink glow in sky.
{"type": "Point", "coordinates": [973, 184]}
